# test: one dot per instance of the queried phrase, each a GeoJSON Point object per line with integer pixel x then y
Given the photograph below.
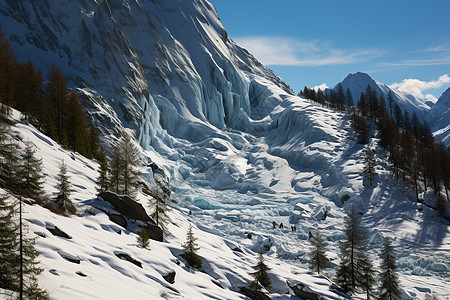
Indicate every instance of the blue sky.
{"type": "Point", "coordinates": [405, 44]}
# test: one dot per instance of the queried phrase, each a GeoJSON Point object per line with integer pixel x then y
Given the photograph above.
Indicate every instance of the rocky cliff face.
{"type": "Point", "coordinates": [154, 66]}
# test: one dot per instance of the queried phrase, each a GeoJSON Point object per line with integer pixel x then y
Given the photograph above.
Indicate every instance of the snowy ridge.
{"type": "Point", "coordinates": [358, 82]}
{"type": "Point", "coordinates": [439, 116]}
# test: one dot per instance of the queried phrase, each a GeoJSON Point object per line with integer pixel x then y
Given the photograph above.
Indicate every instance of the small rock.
{"type": "Point", "coordinates": [170, 277]}
{"type": "Point", "coordinates": [57, 232]}
{"type": "Point", "coordinates": [128, 258]}
{"type": "Point", "coordinates": [69, 257]}
{"type": "Point", "coordinates": [80, 274]}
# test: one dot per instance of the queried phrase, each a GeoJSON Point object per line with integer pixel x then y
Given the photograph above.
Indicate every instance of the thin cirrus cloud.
{"type": "Point", "coordinates": [285, 51]}
{"type": "Point", "coordinates": [416, 87]}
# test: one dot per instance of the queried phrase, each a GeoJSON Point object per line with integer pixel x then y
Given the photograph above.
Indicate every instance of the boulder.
{"type": "Point", "coordinates": [131, 210]}
{"type": "Point", "coordinates": [303, 291]}
{"type": "Point", "coordinates": [128, 258]}
{"type": "Point", "coordinates": [170, 277]}
{"type": "Point", "coordinates": [56, 231]}
{"type": "Point", "coordinates": [69, 257]}
{"type": "Point", "coordinates": [258, 295]}
{"type": "Point", "coordinates": [125, 206]}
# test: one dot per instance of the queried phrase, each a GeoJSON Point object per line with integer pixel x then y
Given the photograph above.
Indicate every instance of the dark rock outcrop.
{"type": "Point", "coordinates": [127, 257]}
{"type": "Point", "coordinates": [170, 277]}
{"type": "Point", "coordinates": [56, 231]}
{"type": "Point", "coordinates": [69, 257]}
{"type": "Point", "coordinates": [302, 290]}
{"type": "Point", "coordinates": [126, 206]}
{"type": "Point", "coordinates": [130, 210]}
{"type": "Point", "coordinates": [255, 295]}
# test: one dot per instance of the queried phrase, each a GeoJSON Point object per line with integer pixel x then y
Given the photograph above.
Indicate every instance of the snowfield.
{"type": "Point", "coordinates": [271, 190]}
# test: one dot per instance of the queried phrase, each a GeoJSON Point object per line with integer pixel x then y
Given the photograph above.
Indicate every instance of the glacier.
{"type": "Point", "coordinates": [240, 148]}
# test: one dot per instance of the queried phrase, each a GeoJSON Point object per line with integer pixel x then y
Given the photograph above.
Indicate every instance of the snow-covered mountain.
{"type": "Point", "coordinates": [358, 82]}
{"type": "Point", "coordinates": [241, 149]}
{"type": "Point", "coordinates": [439, 118]}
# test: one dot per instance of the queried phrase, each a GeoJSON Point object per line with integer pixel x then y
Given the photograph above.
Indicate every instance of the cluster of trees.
{"type": "Point", "coordinates": [121, 173]}
{"type": "Point", "coordinates": [355, 271]}
{"type": "Point", "coordinates": [415, 156]}
{"type": "Point", "coordinates": [47, 103]}
{"type": "Point", "coordinates": [339, 99]}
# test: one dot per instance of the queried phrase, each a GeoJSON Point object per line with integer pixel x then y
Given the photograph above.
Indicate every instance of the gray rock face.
{"type": "Point", "coordinates": [57, 232]}
{"type": "Point", "coordinates": [303, 291]}
{"type": "Point", "coordinates": [170, 277]}
{"type": "Point", "coordinates": [130, 210]}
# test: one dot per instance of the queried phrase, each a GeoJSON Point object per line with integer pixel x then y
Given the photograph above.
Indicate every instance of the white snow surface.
{"type": "Point", "coordinates": [241, 151]}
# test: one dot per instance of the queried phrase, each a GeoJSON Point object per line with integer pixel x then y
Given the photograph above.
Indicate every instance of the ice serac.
{"type": "Point", "coordinates": [162, 66]}
{"type": "Point", "coordinates": [438, 118]}
{"type": "Point", "coordinates": [357, 83]}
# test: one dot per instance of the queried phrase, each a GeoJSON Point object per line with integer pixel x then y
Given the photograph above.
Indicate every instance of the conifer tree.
{"type": "Point", "coordinates": [31, 173]}
{"type": "Point", "coordinates": [389, 283]}
{"type": "Point", "coordinates": [103, 178]}
{"type": "Point", "coordinates": [352, 254]}
{"type": "Point", "coordinates": [131, 159]}
{"type": "Point", "coordinates": [56, 91]}
{"type": "Point", "coordinates": [261, 278]}
{"type": "Point", "coordinates": [190, 248]}
{"type": "Point", "coordinates": [115, 171]}
{"type": "Point", "coordinates": [10, 255]}
{"type": "Point", "coordinates": [9, 159]}
{"type": "Point", "coordinates": [161, 195]}
{"type": "Point", "coordinates": [441, 207]}
{"type": "Point", "coordinates": [94, 143]}
{"type": "Point", "coordinates": [8, 68]}
{"type": "Point", "coordinates": [348, 95]}
{"type": "Point", "coordinates": [77, 135]}
{"type": "Point", "coordinates": [62, 196]}
{"type": "Point", "coordinates": [143, 238]}
{"type": "Point", "coordinates": [367, 278]}
{"type": "Point", "coordinates": [317, 256]}
{"type": "Point", "coordinates": [369, 165]}
{"type": "Point", "coordinates": [8, 243]}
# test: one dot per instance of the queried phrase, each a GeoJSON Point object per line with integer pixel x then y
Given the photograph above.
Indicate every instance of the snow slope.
{"type": "Point", "coordinates": [439, 116]}
{"type": "Point", "coordinates": [240, 148]}
{"type": "Point", "coordinates": [359, 81]}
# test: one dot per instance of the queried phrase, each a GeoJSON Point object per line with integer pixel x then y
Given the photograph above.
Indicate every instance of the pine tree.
{"type": "Point", "coordinates": [8, 68]}
{"type": "Point", "coordinates": [103, 178]}
{"type": "Point", "coordinates": [76, 132]}
{"type": "Point", "coordinates": [441, 207]}
{"type": "Point", "coordinates": [62, 196]}
{"type": "Point", "coordinates": [367, 278]}
{"type": "Point", "coordinates": [131, 159]}
{"type": "Point", "coordinates": [261, 278]}
{"type": "Point", "coordinates": [389, 283]}
{"type": "Point", "coordinates": [9, 159]}
{"type": "Point", "coordinates": [190, 249]}
{"type": "Point", "coordinates": [10, 256]}
{"type": "Point", "coordinates": [115, 171]}
{"type": "Point", "coordinates": [9, 243]}
{"type": "Point", "coordinates": [161, 195]}
{"type": "Point", "coordinates": [57, 92]}
{"type": "Point", "coordinates": [369, 166]}
{"type": "Point", "coordinates": [31, 173]}
{"type": "Point", "coordinates": [143, 238]}
{"type": "Point", "coordinates": [94, 143]}
{"type": "Point", "coordinates": [349, 97]}
{"type": "Point", "coordinates": [317, 257]}
{"type": "Point", "coordinates": [352, 253]}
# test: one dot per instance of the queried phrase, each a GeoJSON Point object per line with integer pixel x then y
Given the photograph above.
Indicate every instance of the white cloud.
{"type": "Point", "coordinates": [416, 87]}
{"type": "Point", "coordinates": [322, 87]}
{"type": "Point", "coordinates": [285, 51]}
